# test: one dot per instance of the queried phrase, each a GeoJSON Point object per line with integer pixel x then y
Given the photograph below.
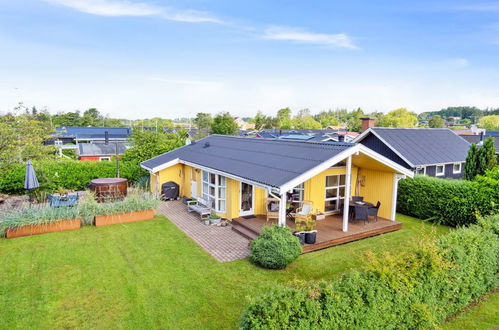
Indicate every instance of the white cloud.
{"type": "Point", "coordinates": [339, 40]}
{"type": "Point", "coordinates": [458, 62]}
{"type": "Point", "coordinates": [138, 9]}
{"type": "Point", "coordinates": [486, 6]}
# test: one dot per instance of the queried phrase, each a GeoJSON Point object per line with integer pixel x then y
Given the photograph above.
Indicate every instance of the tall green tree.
{"type": "Point", "coordinates": [284, 118]}
{"type": "Point", "coordinates": [203, 120]}
{"type": "Point", "coordinates": [398, 118]}
{"type": "Point", "coordinates": [353, 121]}
{"type": "Point", "coordinates": [224, 123]}
{"type": "Point", "coordinates": [481, 159]}
{"type": "Point", "coordinates": [436, 122]}
{"type": "Point", "coordinates": [490, 123]}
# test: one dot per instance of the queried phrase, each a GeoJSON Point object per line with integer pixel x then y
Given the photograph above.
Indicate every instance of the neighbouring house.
{"type": "Point", "coordinates": [74, 135]}
{"type": "Point", "coordinates": [237, 175]}
{"type": "Point", "coordinates": [429, 151]}
{"type": "Point", "coordinates": [100, 151]}
{"type": "Point", "coordinates": [478, 139]}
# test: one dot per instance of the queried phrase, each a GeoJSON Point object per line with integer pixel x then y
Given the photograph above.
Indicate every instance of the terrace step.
{"type": "Point", "coordinates": [241, 228]}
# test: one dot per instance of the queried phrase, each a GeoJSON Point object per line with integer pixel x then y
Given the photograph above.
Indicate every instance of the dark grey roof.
{"type": "Point", "coordinates": [100, 149]}
{"type": "Point", "coordinates": [265, 161]}
{"type": "Point", "coordinates": [476, 139]}
{"type": "Point", "coordinates": [424, 146]}
{"type": "Point", "coordinates": [93, 132]}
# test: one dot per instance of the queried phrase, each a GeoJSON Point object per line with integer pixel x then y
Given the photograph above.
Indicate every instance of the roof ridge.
{"type": "Point", "coordinates": [305, 143]}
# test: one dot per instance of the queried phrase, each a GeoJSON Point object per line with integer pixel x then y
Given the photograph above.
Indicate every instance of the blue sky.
{"type": "Point", "coordinates": [134, 59]}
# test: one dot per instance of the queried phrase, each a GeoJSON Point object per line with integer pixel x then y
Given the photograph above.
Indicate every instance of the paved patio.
{"type": "Point", "coordinates": [222, 243]}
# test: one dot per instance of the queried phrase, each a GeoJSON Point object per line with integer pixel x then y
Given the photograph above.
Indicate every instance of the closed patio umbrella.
{"type": "Point", "coordinates": [30, 179]}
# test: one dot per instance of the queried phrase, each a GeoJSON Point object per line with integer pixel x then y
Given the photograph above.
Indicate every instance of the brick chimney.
{"type": "Point", "coordinates": [367, 122]}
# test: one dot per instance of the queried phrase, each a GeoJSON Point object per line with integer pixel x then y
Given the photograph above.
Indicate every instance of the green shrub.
{"type": "Point", "coordinates": [36, 216]}
{"type": "Point", "coordinates": [417, 289]}
{"type": "Point", "coordinates": [275, 248]}
{"type": "Point", "coordinates": [449, 202]}
{"type": "Point", "coordinates": [69, 174]}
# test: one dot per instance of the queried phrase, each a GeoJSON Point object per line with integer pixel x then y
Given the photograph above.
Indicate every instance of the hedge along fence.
{"type": "Point", "coordinates": [412, 290]}
{"type": "Point", "coordinates": [449, 202]}
{"type": "Point", "coordinates": [69, 174]}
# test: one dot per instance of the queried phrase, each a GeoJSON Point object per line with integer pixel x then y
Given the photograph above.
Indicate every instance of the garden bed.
{"type": "Point", "coordinates": [112, 219]}
{"type": "Point", "coordinates": [44, 228]}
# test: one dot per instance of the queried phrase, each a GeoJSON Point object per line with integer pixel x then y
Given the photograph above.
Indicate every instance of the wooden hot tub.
{"type": "Point", "coordinates": [109, 189]}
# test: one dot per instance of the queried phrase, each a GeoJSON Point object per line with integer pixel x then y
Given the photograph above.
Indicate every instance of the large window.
{"type": "Point", "coordinates": [335, 192]}
{"type": "Point", "coordinates": [298, 193]}
{"type": "Point", "coordinates": [214, 190]}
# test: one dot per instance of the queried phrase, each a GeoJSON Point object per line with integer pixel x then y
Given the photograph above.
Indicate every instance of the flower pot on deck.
{"type": "Point", "coordinates": [215, 221]}
{"type": "Point", "coordinates": [105, 220]}
{"type": "Point", "coordinates": [311, 237]}
{"type": "Point", "coordinates": [43, 228]}
{"type": "Point", "coordinates": [301, 236]}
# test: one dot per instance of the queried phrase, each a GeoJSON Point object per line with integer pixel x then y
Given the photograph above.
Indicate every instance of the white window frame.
{"type": "Point", "coordinates": [105, 158]}
{"type": "Point", "coordinates": [418, 170]}
{"type": "Point", "coordinates": [300, 191]}
{"type": "Point", "coordinates": [443, 170]}
{"type": "Point", "coordinates": [460, 168]}
{"type": "Point", "coordinates": [220, 184]}
{"type": "Point", "coordinates": [339, 196]}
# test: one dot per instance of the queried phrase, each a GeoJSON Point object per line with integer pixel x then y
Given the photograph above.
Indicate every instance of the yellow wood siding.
{"type": "Point", "coordinates": [378, 186]}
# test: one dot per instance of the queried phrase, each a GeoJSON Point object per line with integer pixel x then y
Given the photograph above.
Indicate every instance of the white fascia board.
{"type": "Point", "coordinates": [386, 161]}
{"type": "Point", "coordinates": [362, 135]}
{"type": "Point", "coordinates": [162, 166]}
{"type": "Point", "coordinates": [318, 169]}
{"type": "Point", "coordinates": [228, 175]}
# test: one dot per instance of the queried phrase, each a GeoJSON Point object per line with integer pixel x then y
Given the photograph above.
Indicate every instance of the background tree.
{"type": "Point", "coordinates": [398, 118]}
{"type": "Point", "coordinates": [490, 123]}
{"type": "Point", "coordinates": [327, 118]}
{"type": "Point", "coordinates": [223, 123]}
{"type": "Point", "coordinates": [21, 139]}
{"type": "Point", "coordinates": [284, 118]}
{"type": "Point", "coordinates": [304, 120]}
{"type": "Point", "coordinates": [436, 122]}
{"type": "Point", "coordinates": [203, 120]}
{"type": "Point", "coordinates": [479, 160]}
{"type": "Point", "coordinates": [353, 122]}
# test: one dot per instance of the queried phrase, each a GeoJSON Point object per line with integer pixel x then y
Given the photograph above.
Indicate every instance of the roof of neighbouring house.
{"type": "Point", "coordinates": [266, 161]}
{"type": "Point", "coordinates": [92, 132]}
{"type": "Point", "coordinates": [476, 139]}
{"type": "Point", "coordinates": [100, 149]}
{"type": "Point", "coordinates": [422, 146]}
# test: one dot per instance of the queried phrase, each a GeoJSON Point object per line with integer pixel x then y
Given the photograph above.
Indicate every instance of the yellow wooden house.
{"type": "Point", "coordinates": [237, 175]}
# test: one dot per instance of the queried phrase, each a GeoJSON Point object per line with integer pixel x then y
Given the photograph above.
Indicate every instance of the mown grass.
{"type": "Point", "coordinates": [150, 275]}
{"type": "Point", "coordinates": [483, 314]}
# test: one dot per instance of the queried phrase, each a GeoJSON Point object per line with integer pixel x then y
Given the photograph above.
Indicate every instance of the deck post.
{"type": "Point", "coordinates": [396, 179]}
{"type": "Point", "coordinates": [346, 200]}
{"type": "Point", "coordinates": [282, 210]}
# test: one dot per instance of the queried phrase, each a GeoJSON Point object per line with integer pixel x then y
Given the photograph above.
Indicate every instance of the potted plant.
{"type": "Point", "coordinates": [214, 218]}
{"type": "Point", "coordinates": [310, 232]}
{"type": "Point", "coordinates": [206, 220]}
{"type": "Point", "coordinates": [301, 236]}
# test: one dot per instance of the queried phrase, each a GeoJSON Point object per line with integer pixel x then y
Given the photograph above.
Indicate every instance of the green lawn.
{"type": "Point", "coordinates": [150, 275]}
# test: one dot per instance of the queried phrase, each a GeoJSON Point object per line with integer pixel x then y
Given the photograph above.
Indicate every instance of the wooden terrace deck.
{"type": "Point", "coordinates": [329, 230]}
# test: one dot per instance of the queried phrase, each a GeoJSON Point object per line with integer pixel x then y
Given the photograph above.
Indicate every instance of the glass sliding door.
{"type": "Point", "coordinates": [214, 191]}
{"type": "Point", "coordinates": [335, 193]}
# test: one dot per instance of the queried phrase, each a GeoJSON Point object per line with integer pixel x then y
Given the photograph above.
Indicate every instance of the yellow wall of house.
{"type": "Point", "coordinates": [378, 186]}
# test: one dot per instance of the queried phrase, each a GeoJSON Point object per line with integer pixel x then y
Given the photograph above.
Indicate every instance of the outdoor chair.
{"type": "Point", "coordinates": [373, 211]}
{"type": "Point", "coordinates": [361, 213]}
{"type": "Point", "coordinates": [272, 208]}
{"type": "Point", "coordinates": [303, 211]}
{"type": "Point", "coordinates": [357, 198]}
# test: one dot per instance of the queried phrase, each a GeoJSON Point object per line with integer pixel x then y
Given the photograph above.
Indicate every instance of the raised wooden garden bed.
{"type": "Point", "coordinates": [104, 220]}
{"type": "Point", "coordinates": [50, 227]}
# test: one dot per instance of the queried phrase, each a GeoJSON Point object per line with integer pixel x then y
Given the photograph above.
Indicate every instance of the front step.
{"type": "Point", "coordinates": [245, 232]}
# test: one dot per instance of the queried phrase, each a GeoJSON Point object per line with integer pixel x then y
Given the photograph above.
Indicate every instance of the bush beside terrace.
{"type": "Point", "coordinates": [450, 202]}
{"type": "Point", "coordinates": [416, 289]}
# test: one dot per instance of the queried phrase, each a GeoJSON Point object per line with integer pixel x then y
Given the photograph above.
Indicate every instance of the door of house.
{"type": "Point", "coordinates": [246, 199]}
{"type": "Point", "coordinates": [194, 184]}
{"type": "Point", "coordinates": [335, 193]}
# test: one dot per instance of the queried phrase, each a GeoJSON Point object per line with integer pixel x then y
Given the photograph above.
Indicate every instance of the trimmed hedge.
{"type": "Point", "coordinates": [449, 202]}
{"type": "Point", "coordinates": [69, 174]}
{"type": "Point", "coordinates": [275, 248]}
{"type": "Point", "coordinates": [413, 290]}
